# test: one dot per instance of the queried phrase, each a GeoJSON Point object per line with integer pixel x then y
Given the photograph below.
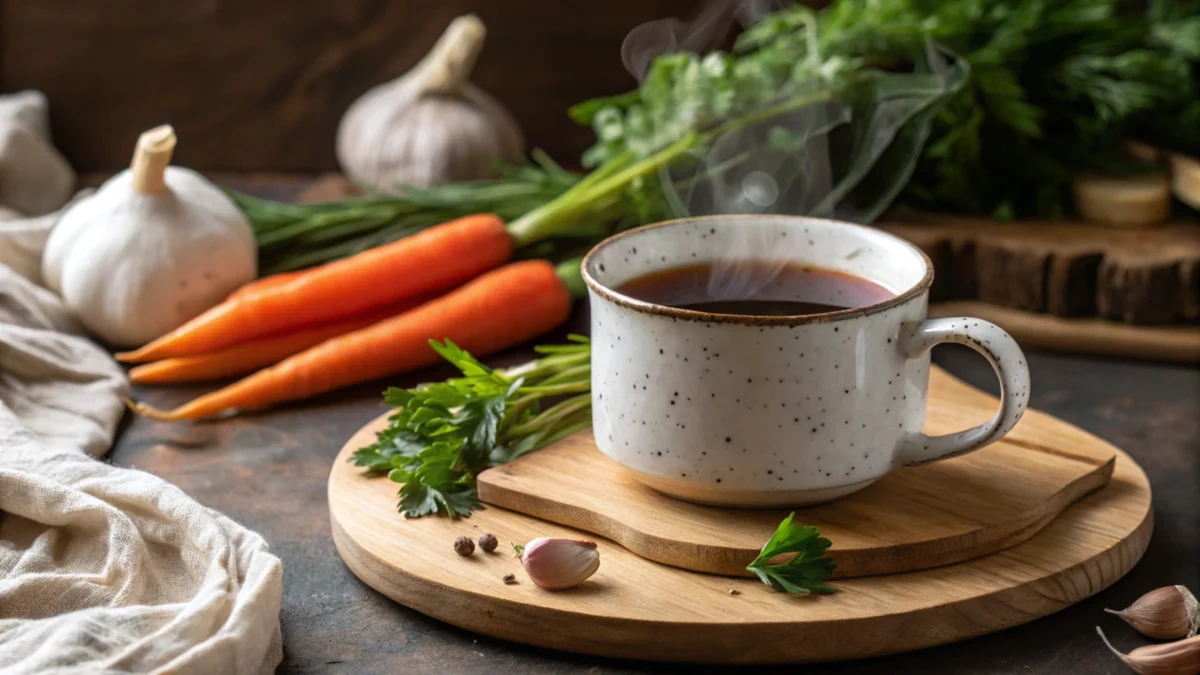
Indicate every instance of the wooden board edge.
{"type": "Point", "coordinates": [1087, 336]}
{"type": "Point", "coordinates": [1025, 528]}
{"type": "Point", "coordinates": [697, 643]}
{"type": "Point", "coordinates": [860, 562]}
{"type": "Point", "coordinates": [1091, 460]}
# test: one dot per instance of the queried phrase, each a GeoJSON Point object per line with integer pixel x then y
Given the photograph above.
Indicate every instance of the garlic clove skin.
{"type": "Point", "coordinates": [1167, 613]}
{"type": "Point", "coordinates": [430, 126]}
{"type": "Point", "coordinates": [1171, 658]}
{"type": "Point", "coordinates": [556, 564]}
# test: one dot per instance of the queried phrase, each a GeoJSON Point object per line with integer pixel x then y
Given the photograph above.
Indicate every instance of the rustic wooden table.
{"type": "Point", "coordinates": [268, 471]}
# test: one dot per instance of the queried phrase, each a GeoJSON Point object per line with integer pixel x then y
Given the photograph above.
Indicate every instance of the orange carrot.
{"type": "Point", "coordinates": [265, 282]}
{"type": "Point", "coordinates": [435, 259]}
{"type": "Point", "coordinates": [501, 308]}
{"type": "Point", "coordinates": [248, 357]}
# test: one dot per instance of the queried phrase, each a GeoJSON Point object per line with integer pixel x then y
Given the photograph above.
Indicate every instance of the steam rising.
{"type": "Point", "coordinates": [733, 279]}
{"type": "Point", "coordinates": [699, 35]}
{"type": "Point", "coordinates": [780, 167]}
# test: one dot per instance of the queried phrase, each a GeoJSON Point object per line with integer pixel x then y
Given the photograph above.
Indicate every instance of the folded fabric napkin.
{"type": "Point", "coordinates": [104, 569]}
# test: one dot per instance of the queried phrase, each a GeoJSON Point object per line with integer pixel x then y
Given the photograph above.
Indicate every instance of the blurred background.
{"type": "Point", "coordinates": [255, 93]}
{"type": "Point", "coordinates": [260, 86]}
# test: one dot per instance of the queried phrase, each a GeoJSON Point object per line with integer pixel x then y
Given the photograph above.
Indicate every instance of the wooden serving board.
{"type": "Point", "coordinates": [913, 519]}
{"type": "Point", "coordinates": [636, 608]}
{"type": "Point", "coordinates": [1082, 335]}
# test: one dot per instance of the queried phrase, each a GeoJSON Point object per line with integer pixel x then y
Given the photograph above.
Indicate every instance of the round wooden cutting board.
{"type": "Point", "coordinates": [635, 608]}
{"type": "Point", "coordinates": [920, 517]}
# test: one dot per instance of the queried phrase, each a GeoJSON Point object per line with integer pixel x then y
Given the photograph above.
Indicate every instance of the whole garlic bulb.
{"type": "Point", "coordinates": [153, 247]}
{"type": "Point", "coordinates": [34, 178]}
{"type": "Point", "coordinates": [429, 126]}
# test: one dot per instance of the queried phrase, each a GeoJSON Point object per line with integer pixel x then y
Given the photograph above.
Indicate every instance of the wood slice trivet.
{"type": "Point", "coordinates": [1062, 268]}
{"type": "Point", "coordinates": [636, 608]}
{"type": "Point", "coordinates": [1080, 335]}
{"type": "Point", "coordinates": [913, 519]}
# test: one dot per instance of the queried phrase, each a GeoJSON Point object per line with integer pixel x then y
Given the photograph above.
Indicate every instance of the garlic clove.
{"type": "Point", "coordinates": [1171, 658]}
{"type": "Point", "coordinates": [1166, 613]}
{"type": "Point", "coordinates": [556, 564]}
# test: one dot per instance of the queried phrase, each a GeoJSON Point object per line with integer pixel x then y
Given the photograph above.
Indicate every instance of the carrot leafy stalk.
{"type": "Point", "coordinates": [803, 573]}
{"type": "Point", "coordinates": [297, 236]}
{"type": "Point", "coordinates": [444, 434]}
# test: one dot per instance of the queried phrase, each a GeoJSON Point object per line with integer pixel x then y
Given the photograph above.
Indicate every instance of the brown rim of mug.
{"type": "Point", "coordinates": [752, 320]}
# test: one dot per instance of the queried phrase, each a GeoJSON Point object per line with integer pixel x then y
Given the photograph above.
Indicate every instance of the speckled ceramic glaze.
{"type": "Point", "coordinates": [776, 411]}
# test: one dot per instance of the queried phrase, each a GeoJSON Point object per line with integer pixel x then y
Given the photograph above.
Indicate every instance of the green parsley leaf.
{"type": "Point", "coordinates": [1056, 88]}
{"type": "Point", "coordinates": [419, 499]}
{"type": "Point", "coordinates": [803, 573]}
{"type": "Point", "coordinates": [443, 434]}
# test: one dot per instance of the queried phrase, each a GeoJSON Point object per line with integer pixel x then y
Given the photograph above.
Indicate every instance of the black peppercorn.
{"type": "Point", "coordinates": [464, 546]}
{"type": "Point", "coordinates": [487, 542]}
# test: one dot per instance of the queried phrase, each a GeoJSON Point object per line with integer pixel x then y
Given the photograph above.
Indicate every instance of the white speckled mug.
{"type": "Point", "coordinates": [776, 410]}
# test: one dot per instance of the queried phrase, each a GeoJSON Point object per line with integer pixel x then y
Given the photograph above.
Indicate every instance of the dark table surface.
{"type": "Point", "coordinates": [268, 471]}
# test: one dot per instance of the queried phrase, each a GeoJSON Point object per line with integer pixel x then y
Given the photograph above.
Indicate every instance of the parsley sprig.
{"type": "Point", "coordinates": [1056, 88]}
{"type": "Point", "coordinates": [803, 573]}
{"type": "Point", "coordinates": [839, 135]}
{"type": "Point", "coordinates": [444, 434]}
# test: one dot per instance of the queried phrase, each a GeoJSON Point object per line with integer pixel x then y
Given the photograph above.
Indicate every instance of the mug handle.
{"type": "Point", "coordinates": [1001, 350]}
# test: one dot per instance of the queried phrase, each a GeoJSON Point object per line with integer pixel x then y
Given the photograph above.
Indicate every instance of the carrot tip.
{"type": "Point", "coordinates": [135, 356]}
{"type": "Point", "coordinates": [148, 411]}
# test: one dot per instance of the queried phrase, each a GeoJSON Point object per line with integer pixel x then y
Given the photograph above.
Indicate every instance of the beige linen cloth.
{"type": "Point", "coordinates": [103, 569]}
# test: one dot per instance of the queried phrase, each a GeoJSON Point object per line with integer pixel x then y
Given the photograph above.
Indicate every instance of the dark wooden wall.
{"type": "Point", "coordinates": [259, 85]}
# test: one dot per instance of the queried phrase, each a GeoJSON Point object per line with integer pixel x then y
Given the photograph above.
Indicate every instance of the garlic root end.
{"type": "Point", "coordinates": [1109, 645]}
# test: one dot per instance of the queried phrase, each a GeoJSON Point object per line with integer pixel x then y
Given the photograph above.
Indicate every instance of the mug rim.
{"type": "Point", "coordinates": [628, 302]}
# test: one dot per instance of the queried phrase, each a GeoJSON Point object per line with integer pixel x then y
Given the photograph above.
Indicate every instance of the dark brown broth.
{"type": "Point", "coordinates": [755, 288]}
